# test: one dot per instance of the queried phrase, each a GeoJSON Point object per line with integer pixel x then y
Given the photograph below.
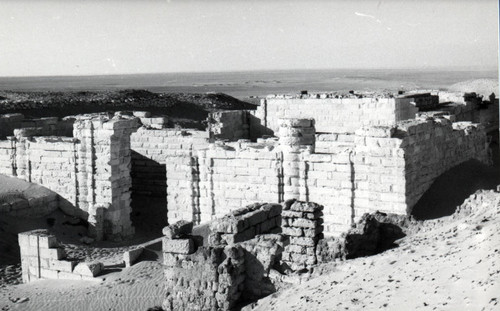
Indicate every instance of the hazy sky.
{"type": "Point", "coordinates": [73, 37]}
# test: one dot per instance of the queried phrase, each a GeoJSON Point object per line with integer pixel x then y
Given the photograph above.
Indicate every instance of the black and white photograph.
{"type": "Point", "coordinates": [249, 155]}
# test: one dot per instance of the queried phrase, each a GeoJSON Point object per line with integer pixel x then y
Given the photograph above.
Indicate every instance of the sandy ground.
{"type": "Point", "coordinates": [453, 263]}
{"type": "Point", "coordinates": [136, 288]}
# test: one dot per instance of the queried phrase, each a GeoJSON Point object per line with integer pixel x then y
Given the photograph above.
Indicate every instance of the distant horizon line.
{"type": "Point", "coordinates": [436, 68]}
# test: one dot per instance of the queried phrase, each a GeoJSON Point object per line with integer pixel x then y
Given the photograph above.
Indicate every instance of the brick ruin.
{"type": "Point", "coordinates": [355, 155]}
{"type": "Point", "coordinates": [351, 155]}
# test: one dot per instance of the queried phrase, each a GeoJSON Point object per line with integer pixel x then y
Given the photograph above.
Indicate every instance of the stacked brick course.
{"type": "Point", "coordinates": [43, 258]}
{"type": "Point", "coordinates": [302, 222]}
{"type": "Point", "coordinates": [200, 278]}
{"type": "Point", "coordinates": [245, 223]}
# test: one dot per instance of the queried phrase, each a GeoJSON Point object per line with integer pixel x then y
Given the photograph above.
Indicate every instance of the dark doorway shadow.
{"type": "Point", "coordinates": [454, 186]}
{"type": "Point", "coordinates": [149, 195]}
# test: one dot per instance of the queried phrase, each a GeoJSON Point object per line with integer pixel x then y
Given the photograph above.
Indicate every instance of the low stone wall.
{"type": "Point", "coordinates": [302, 222]}
{"type": "Point", "coordinates": [43, 258]}
{"type": "Point", "coordinates": [199, 277]}
{"type": "Point", "coordinates": [245, 223]}
{"type": "Point", "coordinates": [336, 115]}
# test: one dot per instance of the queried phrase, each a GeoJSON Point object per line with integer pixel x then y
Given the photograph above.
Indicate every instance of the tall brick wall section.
{"type": "Point", "coordinates": [231, 177]}
{"type": "Point", "coordinates": [393, 167]}
{"type": "Point", "coordinates": [328, 179]}
{"type": "Point", "coordinates": [90, 172]}
{"type": "Point", "coordinates": [105, 165]}
{"type": "Point", "coordinates": [165, 163]}
{"type": "Point", "coordinates": [336, 115]}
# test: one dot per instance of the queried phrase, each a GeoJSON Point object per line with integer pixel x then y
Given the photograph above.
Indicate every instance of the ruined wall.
{"type": "Point", "coordinates": [164, 163]}
{"type": "Point", "coordinates": [232, 125]}
{"type": "Point", "coordinates": [328, 179]}
{"type": "Point", "coordinates": [51, 161]}
{"type": "Point", "coordinates": [302, 223]}
{"type": "Point", "coordinates": [393, 167]}
{"type": "Point", "coordinates": [245, 223]}
{"type": "Point", "coordinates": [89, 172]}
{"type": "Point", "coordinates": [336, 115]}
{"type": "Point", "coordinates": [231, 177]}
{"type": "Point", "coordinates": [200, 277]}
{"type": "Point", "coordinates": [42, 257]}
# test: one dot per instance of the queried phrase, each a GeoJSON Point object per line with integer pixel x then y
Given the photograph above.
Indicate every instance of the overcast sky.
{"type": "Point", "coordinates": [109, 37]}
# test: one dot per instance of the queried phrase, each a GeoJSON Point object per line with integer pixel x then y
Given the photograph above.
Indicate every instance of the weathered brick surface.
{"type": "Point", "coordinates": [302, 223]}
{"type": "Point", "coordinates": [43, 258]}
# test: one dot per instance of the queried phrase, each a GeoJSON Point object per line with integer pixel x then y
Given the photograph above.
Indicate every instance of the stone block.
{"type": "Point", "coordinates": [62, 265]}
{"type": "Point", "coordinates": [179, 229]}
{"type": "Point", "coordinates": [303, 241]}
{"type": "Point", "coordinates": [48, 274]}
{"type": "Point", "coordinates": [305, 206]}
{"type": "Point", "coordinates": [131, 256]}
{"type": "Point", "coordinates": [52, 253]}
{"type": "Point", "coordinates": [68, 276]}
{"type": "Point", "coordinates": [304, 223]}
{"type": "Point", "coordinates": [291, 231]}
{"type": "Point", "coordinates": [291, 214]}
{"type": "Point", "coordinates": [91, 269]}
{"type": "Point", "coordinates": [180, 246]}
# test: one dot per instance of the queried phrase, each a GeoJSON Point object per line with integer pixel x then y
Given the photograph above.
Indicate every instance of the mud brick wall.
{"type": "Point", "coordinates": [7, 156]}
{"type": "Point", "coordinates": [105, 165]}
{"type": "Point", "coordinates": [331, 142]}
{"type": "Point", "coordinates": [336, 115]}
{"type": "Point", "coordinates": [393, 167]}
{"type": "Point", "coordinates": [303, 223]}
{"type": "Point", "coordinates": [51, 161]}
{"type": "Point", "coordinates": [43, 258]}
{"type": "Point", "coordinates": [206, 278]}
{"type": "Point", "coordinates": [232, 177]}
{"type": "Point", "coordinates": [164, 163]}
{"type": "Point", "coordinates": [245, 223]}
{"type": "Point", "coordinates": [232, 125]}
{"type": "Point", "coordinates": [262, 253]}
{"type": "Point", "coordinates": [328, 179]}
{"type": "Point", "coordinates": [434, 146]}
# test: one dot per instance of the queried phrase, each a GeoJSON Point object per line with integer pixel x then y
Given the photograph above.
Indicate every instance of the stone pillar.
{"type": "Point", "coordinates": [295, 137]}
{"type": "Point", "coordinates": [104, 173]}
{"type": "Point", "coordinates": [303, 223]}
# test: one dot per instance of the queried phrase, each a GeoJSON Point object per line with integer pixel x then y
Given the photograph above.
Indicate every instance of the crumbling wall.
{"type": "Point", "coordinates": [232, 125]}
{"type": "Point", "coordinates": [90, 172]}
{"type": "Point", "coordinates": [245, 223]}
{"type": "Point", "coordinates": [336, 115]}
{"type": "Point", "coordinates": [42, 257]}
{"type": "Point", "coordinates": [200, 277]}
